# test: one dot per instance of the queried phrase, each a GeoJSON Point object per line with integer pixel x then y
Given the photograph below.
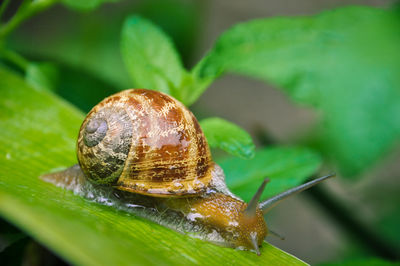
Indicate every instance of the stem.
{"type": "Point", "coordinates": [251, 209]}
{"type": "Point", "coordinates": [27, 9]}
{"type": "Point", "coordinates": [14, 58]}
{"type": "Point", "coordinates": [3, 7]}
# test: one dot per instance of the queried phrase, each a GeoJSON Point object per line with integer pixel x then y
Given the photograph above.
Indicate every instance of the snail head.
{"type": "Point", "coordinates": [252, 228]}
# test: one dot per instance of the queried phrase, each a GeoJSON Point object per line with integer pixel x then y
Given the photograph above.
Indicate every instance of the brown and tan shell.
{"type": "Point", "coordinates": [145, 142]}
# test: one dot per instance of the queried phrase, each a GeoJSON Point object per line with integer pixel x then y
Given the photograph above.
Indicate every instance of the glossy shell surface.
{"type": "Point", "coordinates": [145, 142]}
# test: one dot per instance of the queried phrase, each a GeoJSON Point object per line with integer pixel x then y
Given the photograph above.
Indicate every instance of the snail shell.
{"type": "Point", "coordinates": [145, 142]}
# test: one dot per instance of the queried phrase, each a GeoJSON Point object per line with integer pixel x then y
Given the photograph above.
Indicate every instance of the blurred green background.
{"type": "Point", "coordinates": [346, 220]}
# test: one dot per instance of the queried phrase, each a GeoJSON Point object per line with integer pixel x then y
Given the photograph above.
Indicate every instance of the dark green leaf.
{"type": "Point", "coordinates": [151, 58]}
{"type": "Point", "coordinates": [344, 62]}
{"type": "Point", "coordinates": [228, 136]}
{"type": "Point", "coordinates": [39, 134]}
{"type": "Point", "coordinates": [286, 167]}
{"type": "Point", "coordinates": [14, 253]}
{"type": "Point", "coordinates": [42, 76]}
{"type": "Point", "coordinates": [9, 234]}
{"type": "Point", "coordinates": [89, 45]}
{"type": "Point", "coordinates": [92, 44]}
{"type": "Point", "coordinates": [82, 92]}
{"type": "Point", "coordinates": [181, 20]}
{"type": "Point", "coordinates": [363, 262]}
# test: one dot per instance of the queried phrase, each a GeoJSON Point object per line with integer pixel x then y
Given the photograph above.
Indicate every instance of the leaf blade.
{"type": "Point", "coordinates": [39, 135]}
{"type": "Point", "coordinates": [286, 167]}
{"type": "Point", "coordinates": [150, 57]}
{"type": "Point", "coordinates": [228, 137]}
{"type": "Point", "coordinates": [349, 71]}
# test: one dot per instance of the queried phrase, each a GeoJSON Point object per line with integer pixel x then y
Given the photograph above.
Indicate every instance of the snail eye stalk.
{"type": "Point", "coordinates": [250, 211]}
{"type": "Point", "coordinates": [272, 202]}
{"type": "Point", "coordinates": [255, 245]}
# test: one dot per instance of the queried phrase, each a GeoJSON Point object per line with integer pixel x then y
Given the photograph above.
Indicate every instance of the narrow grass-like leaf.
{"type": "Point", "coordinates": [344, 62]}
{"type": "Point", "coordinates": [38, 133]}
{"type": "Point", "coordinates": [286, 167]}
{"type": "Point", "coordinates": [228, 136]}
{"type": "Point", "coordinates": [42, 76]}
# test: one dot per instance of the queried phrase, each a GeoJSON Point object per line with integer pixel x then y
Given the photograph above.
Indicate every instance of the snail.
{"type": "Point", "coordinates": [147, 150]}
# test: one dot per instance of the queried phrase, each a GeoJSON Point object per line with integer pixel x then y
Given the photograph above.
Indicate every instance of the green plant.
{"type": "Point", "coordinates": [343, 63]}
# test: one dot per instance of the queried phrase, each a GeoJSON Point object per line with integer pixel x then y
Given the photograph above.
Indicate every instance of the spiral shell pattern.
{"type": "Point", "coordinates": [145, 142]}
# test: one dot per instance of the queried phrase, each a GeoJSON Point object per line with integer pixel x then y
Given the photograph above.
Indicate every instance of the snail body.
{"type": "Point", "coordinates": [145, 148]}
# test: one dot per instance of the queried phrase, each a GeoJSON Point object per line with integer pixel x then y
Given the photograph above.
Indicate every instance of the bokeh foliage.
{"type": "Point", "coordinates": [343, 63]}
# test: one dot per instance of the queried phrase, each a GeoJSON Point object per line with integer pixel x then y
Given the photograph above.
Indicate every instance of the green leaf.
{"type": "Point", "coordinates": [89, 45]}
{"type": "Point", "coordinates": [80, 91]}
{"type": "Point", "coordinates": [286, 167]}
{"type": "Point", "coordinates": [228, 136]}
{"type": "Point", "coordinates": [151, 58]}
{"type": "Point", "coordinates": [39, 134]}
{"type": "Point", "coordinates": [93, 45]}
{"type": "Point", "coordinates": [86, 4]}
{"type": "Point", "coordinates": [43, 76]}
{"type": "Point", "coordinates": [343, 62]}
